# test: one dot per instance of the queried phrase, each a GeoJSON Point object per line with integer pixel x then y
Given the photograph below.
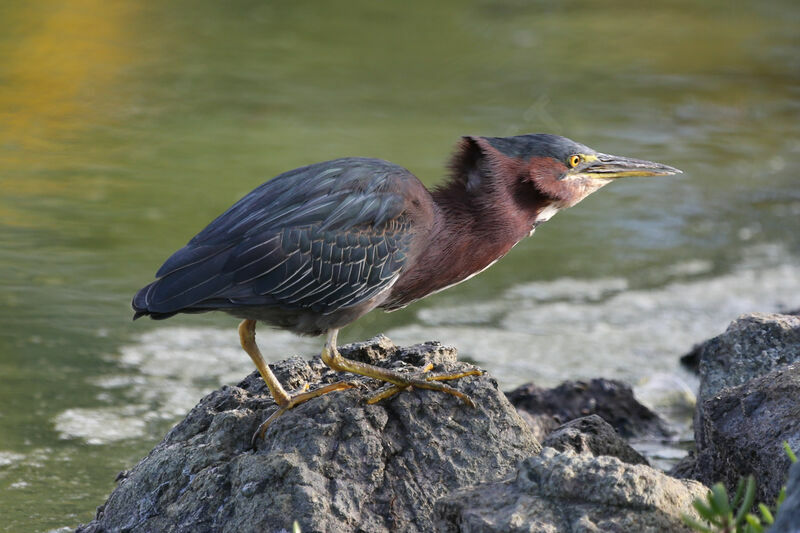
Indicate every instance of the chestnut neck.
{"type": "Point", "coordinates": [470, 231]}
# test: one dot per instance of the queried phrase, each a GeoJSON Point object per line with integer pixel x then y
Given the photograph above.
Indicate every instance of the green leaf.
{"type": "Point", "coordinates": [781, 497]}
{"type": "Point", "coordinates": [789, 452]}
{"type": "Point", "coordinates": [705, 511]}
{"type": "Point", "coordinates": [753, 524]}
{"type": "Point", "coordinates": [296, 527]}
{"type": "Point", "coordinates": [719, 501]}
{"type": "Point", "coordinates": [753, 521]}
{"type": "Point", "coordinates": [739, 491]}
{"type": "Point", "coordinates": [749, 498]}
{"type": "Point", "coordinates": [694, 524]}
{"type": "Point", "coordinates": [766, 514]}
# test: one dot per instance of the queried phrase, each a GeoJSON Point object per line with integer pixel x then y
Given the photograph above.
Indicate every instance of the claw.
{"type": "Point", "coordinates": [262, 429]}
{"type": "Point", "coordinates": [296, 400]}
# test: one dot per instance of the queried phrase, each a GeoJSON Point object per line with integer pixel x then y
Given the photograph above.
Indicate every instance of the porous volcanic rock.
{"type": "Point", "coordinates": [613, 401]}
{"type": "Point", "coordinates": [564, 491]}
{"type": "Point", "coordinates": [743, 430]}
{"type": "Point", "coordinates": [748, 403]}
{"type": "Point", "coordinates": [334, 463]}
{"type": "Point", "coordinates": [753, 345]}
{"type": "Point", "coordinates": [593, 436]}
{"type": "Point", "coordinates": [788, 518]}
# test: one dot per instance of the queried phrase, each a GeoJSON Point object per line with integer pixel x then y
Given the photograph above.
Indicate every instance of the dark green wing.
{"type": "Point", "coordinates": [323, 237]}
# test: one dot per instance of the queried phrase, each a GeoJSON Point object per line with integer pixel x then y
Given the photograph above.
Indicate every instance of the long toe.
{"type": "Point", "coordinates": [422, 381]}
{"type": "Point", "coordinates": [296, 400]}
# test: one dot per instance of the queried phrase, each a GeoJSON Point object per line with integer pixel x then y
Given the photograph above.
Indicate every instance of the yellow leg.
{"type": "Point", "coordinates": [332, 358]}
{"type": "Point", "coordinates": [285, 401]}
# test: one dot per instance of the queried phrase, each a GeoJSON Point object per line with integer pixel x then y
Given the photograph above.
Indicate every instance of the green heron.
{"type": "Point", "coordinates": [315, 248]}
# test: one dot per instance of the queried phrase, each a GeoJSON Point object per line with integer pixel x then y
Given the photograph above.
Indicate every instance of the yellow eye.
{"type": "Point", "coordinates": [574, 160]}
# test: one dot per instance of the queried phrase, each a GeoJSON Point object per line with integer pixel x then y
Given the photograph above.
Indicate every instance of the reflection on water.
{"type": "Point", "coordinates": [126, 126]}
{"type": "Point", "coordinates": [58, 58]}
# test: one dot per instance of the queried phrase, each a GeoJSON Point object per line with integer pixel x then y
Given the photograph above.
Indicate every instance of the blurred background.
{"type": "Point", "coordinates": [126, 126]}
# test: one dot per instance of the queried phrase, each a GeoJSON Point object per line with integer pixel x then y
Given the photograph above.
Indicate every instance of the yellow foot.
{"type": "Point", "coordinates": [411, 381]}
{"type": "Point", "coordinates": [294, 401]}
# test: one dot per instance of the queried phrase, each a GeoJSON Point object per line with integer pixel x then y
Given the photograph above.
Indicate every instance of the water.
{"type": "Point", "coordinates": [125, 128]}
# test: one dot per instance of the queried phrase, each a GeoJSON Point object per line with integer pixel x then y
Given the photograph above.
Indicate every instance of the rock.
{"type": "Point", "coordinates": [753, 345]}
{"type": "Point", "coordinates": [593, 436]}
{"type": "Point", "coordinates": [684, 469]}
{"type": "Point", "coordinates": [788, 518]}
{"type": "Point", "coordinates": [333, 463]}
{"type": "Point", "coordinates": [691, 359]}
{"type": "Point", "coordinates": [748, 403]}
{"type": "Point", "coordinates": [541, 425]}
{"type": "Point", "coordinates": [563, 491]}
{"type": "Point", "coordinates": [613, 401]}
{"type": "Point", "coordinates": [743, 429]}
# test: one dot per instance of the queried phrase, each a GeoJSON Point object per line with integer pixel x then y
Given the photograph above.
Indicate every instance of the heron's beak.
{"type": "Point", "coordinates": [608, 167]}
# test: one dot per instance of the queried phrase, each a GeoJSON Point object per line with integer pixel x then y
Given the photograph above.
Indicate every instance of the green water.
{"type": "Point", "coordinates": [126, 126]}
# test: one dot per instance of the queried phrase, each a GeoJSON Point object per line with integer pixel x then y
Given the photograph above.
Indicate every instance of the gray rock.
{"type": "Point", "coordinates": [540, 424]}
{"type": "Point", "coordinates": [788, 518]}
{"type": "Point", "coordinates": [747, 404]}
{"type": "Point", "coordinates": [333, 463]}
{"type": "Point", "coordinates": [684, 469]}
{"type": "Point", "coordinates": [753, 345]}
{"type": "Point", "coordinates": [593, 436]}
{"type": "Point", "coordinates": [613, 401]}
{"type": "Point", "coordinates": [743, 430]}
{"type": "Point", "coordinates": [562, 491]}
{"type": "Point", "coordinates": [691, 359]}
{"type": "Point", "coordinates": [770, 335]}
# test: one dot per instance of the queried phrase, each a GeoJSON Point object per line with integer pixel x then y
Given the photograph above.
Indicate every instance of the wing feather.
{"type": "Point", "coordinates": [322, 237]}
